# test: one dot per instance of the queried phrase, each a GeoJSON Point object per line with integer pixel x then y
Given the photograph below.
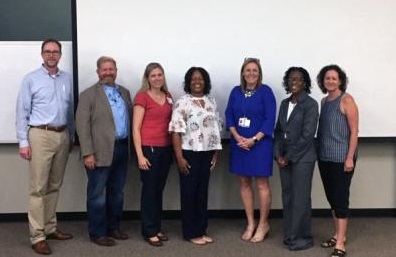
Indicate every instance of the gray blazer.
{"type": "Point", "coordinates": [95, 123]}
{"type": "Point", "coordinates": [294, 138]}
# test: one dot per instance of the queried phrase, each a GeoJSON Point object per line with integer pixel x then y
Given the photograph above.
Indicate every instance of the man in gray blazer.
{"type": "Point", "coordinates": [103, 127]}
{"type": "Point", "coordinates": [295, 153]}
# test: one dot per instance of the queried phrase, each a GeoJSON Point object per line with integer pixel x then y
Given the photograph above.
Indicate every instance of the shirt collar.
{"type": "Point", "coordinates": [300, 97]}
{"type": "Point", "coordinates": [111, 88]}
{"type": "Point", "coordinates": [47, 72]}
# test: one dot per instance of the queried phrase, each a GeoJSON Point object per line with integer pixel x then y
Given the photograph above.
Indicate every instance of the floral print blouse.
{"type": "Point", "coordinates": [198, 121]}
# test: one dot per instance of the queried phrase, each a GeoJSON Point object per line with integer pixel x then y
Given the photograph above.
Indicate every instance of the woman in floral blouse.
{"type": "Point", "coordinates": [195, 127]}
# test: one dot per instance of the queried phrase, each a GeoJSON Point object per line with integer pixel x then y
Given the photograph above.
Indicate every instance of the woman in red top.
{"type": "Point", "coordinates": [152, 111]}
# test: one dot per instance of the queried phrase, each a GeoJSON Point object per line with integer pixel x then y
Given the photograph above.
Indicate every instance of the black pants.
{"type": "Point", "coordinates": [194, 194]}
{"type": "Point", "coordinates": [153, 183]}
{"type": "Point", "coordinates": [336, 183]}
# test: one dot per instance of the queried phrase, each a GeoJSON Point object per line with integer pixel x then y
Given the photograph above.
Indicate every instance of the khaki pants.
{"type": "Point", "coordinates": [50, 151]}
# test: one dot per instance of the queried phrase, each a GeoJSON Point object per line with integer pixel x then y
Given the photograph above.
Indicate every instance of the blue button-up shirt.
{"type": "Point", "coordinates": [44, 99]}
{"type": "Point", "coordinates": [119, 110]}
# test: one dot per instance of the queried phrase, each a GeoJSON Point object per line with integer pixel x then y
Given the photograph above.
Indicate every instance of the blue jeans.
{"type": "Point", "coordinates": [105, 193]}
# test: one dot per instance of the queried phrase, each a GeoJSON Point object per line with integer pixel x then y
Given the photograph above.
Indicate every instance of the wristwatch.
{"type": "Point", "coordinates": [255, 139]}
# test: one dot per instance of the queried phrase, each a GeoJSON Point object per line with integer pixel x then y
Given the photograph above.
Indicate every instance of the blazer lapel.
{"type": "Point", "coordinates": [300, 100]}
{"type": "Point", "coordinates": [125, 97]}
{"type": "Point", "coordinates": [283, 113]}
{"type": "Point", "coordinates": [293, 113]}
{"type": "Point", "coordinates": [104, 100]}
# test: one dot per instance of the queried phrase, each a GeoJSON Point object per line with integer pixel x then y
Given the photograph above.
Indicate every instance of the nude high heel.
{"type": "Point", "coordinates": [260, 235]}
{"type": "Point", "coordinates": [248, 234]}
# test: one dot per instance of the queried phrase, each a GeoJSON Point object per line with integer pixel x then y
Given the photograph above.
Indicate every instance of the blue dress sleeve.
{"type": "Point", "coordinates": [229, 112]}
{"type": "Point", "coordinates": [268, 123]}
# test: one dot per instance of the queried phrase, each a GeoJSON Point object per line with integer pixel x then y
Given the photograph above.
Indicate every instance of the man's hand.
{"type": "Point", "coordinates": [25, 152]}
{"type": "Point", "coordinates": [90, 161]}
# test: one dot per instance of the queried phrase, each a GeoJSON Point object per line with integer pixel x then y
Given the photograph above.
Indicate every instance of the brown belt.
{"type": "Point", "coordinates": [50, 128]}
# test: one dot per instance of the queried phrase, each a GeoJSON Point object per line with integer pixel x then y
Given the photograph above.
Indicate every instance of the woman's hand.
{"type": "Point", "coordinates": [282, 161]}
{"type": "Point", "coordinates": [213, 162]}
{"type": "Point", "coordinates": [144, 163]}
{"type": "Point", "coordinates": [245, 143]}
{"type": "Point", "coordinates": [183, 165]}
{"type": "Point", "coordinates": [349, 165]}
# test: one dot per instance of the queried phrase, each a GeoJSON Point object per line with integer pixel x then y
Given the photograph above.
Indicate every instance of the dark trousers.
{"type": "Point", "coordinates": [153, 183]}
{"type": "Point", "coordinates": [194, 194]}
{"type": "Point", "coordinates": [105, 193]}
{"type": "Point", "coordinates": [336, 183]}
{"type": "Point", "coordinates": [296, 181]}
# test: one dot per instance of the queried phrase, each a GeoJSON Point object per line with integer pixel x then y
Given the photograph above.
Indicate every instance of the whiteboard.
{"type": "Point", "coordinates": [358, 35]}
{"type": "Point", "coordinates": [18, 59]}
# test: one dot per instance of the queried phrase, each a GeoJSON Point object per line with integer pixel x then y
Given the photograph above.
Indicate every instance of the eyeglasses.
{"type": "Point", "coordinates": [48, 52]}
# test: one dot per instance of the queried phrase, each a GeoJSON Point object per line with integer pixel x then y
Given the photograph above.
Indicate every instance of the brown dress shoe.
{"type": "Point", "coordinates": [104, 241]}
{"type": "Point", "coordinates": [116, 234]}
{"type": "Point", "coordinates": [42, 248]}
{"type": "Point", "coordinates": [58, 235]}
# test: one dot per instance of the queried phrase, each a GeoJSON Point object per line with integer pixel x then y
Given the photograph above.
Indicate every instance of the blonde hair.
{"type": "Point", "coordinates": [246, 62]}
{"type": "Point", "coordinates": [149, 68]}
{"type": "Point", "coordinates": [104, 59]}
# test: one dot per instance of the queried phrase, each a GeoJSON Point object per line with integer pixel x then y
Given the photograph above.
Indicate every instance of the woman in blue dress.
{"type": "Point", "coordinates": [250, 118]}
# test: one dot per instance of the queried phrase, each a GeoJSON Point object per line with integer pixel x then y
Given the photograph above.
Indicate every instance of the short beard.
{"type": "Point", "coordinates": [108, 80]}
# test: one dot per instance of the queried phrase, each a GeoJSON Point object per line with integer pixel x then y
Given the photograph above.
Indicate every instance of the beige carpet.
{"type": "Point", "coordinates": [368, 237]}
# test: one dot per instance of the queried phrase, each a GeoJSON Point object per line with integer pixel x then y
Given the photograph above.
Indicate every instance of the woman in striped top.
{"type": "Point", "coordinates": [337, 145]}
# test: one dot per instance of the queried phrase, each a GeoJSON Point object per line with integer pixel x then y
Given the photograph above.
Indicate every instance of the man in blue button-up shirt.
{"type": "Point", "coordinates": [45, 128]}
{"type": "Point", "coordinates": [102, 123]}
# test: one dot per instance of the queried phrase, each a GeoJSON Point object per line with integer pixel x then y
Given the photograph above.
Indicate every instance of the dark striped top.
{"type": "Point", "coordinates": [333, 132]}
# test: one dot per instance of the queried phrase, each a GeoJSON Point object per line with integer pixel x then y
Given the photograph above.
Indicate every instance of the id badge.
{"type": "Point", "coordinates": [244, 122]}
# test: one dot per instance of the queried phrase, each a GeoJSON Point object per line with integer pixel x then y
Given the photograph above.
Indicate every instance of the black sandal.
{"type": "Point", "coordinates": [338, 253]}
{"type": "Point", "coordinates": [331, 242]}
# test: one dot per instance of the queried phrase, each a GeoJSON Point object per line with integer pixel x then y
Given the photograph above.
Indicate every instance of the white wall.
{"type": "Point", "coordinates": [359, 35]}
{"type": "Point", "coordinates": [373, 185]}
{"type": "Point", "coordinates": [18, 59]}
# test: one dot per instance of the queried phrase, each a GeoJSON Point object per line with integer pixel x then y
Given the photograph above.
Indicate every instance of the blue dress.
{"type": "Point", "coordinates": [260, 109]}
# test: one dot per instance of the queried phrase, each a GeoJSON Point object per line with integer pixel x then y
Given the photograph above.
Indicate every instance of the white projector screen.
{"type": "Point", "coordinates": [20, 58]}
{"type": "Point", "coordinates": [360, 36]}
{"type": "Point", "coordinates": [23, 27]}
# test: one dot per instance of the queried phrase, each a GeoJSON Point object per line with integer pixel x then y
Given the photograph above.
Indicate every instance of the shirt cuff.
{"type": "Point", "coordinates": [23, 143]}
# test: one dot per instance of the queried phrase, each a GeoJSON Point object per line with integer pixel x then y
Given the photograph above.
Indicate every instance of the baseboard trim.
{"type": "Point", "coordinates": [213, 214]}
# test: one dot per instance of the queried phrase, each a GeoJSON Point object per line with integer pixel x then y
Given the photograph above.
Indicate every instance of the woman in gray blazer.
{"type": "Point", "coordinates": [295, 154]}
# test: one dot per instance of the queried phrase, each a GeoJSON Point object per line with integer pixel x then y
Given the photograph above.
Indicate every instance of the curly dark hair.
{"type": "Point", "coordinates": [341, 75]}
{"type": "Point", "coordinates": [188, 78]}
{"type": "Point", "coordinates": [304, 72]}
